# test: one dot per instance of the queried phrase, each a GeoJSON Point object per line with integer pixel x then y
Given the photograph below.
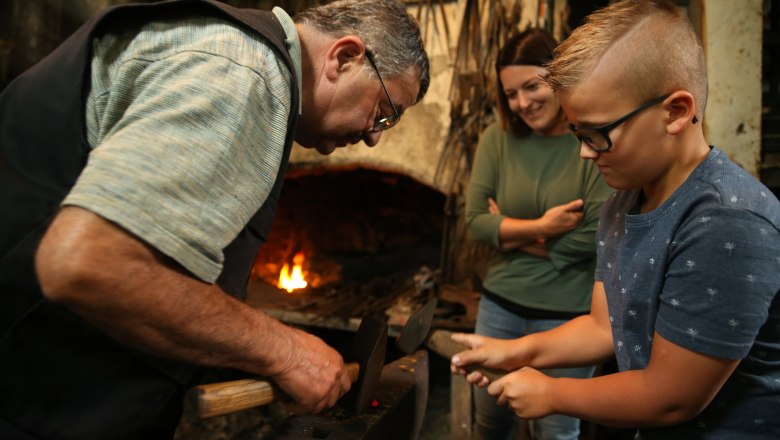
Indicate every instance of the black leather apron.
{"type": "Point", "coordinates": [59, 376]}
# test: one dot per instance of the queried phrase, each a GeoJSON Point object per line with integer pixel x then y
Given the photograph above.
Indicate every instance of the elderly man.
{"type": "Point", "coordinates": [140, 165]}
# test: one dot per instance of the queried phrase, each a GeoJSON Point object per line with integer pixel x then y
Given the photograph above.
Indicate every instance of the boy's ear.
{"type": "Point", "coordinates": [344, 54]}
{"type": "Point", "coordinates": [681, 110]}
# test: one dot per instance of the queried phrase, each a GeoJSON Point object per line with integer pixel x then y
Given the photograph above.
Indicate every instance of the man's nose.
{"type": "Point", "coordinates": [371, 138]}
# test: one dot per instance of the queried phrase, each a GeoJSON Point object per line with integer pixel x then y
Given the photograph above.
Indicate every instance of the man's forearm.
{"type": "Point", "coordinates": [141, 298]}
{"type": "Point", "coordinates": [195, 324]}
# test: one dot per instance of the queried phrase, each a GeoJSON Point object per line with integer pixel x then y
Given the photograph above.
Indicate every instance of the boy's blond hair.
{"type": "Point", "coordinates": [655, 41]}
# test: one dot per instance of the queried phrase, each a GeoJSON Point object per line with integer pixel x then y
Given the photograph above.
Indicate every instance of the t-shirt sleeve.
{"type": "Point", "coordinates": [192, 156]}
{"type": "Point", "coordinates": [721, 278]}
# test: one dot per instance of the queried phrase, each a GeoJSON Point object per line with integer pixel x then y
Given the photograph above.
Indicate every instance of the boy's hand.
{"type": "Point", "coordinates": [525, 392]}
{"type": "Point", "coordinates": [485, 351]}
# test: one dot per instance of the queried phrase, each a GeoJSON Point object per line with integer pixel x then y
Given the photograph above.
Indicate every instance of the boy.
{"type": "Point", "coordinates": [687, 278]}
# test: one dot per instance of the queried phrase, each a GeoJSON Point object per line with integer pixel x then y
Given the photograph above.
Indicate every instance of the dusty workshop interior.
{"type": "Point", "coordinates": [379, 232]}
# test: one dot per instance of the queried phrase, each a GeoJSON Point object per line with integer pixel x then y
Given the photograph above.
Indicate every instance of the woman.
{"type": "Point", "coordinates": [532, 198]}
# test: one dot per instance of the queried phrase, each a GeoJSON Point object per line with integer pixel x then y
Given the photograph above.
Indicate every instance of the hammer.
{"type": "Point", "coordinates": [417, 332]}
{"type": "Point", "coordinates": [368, 349]}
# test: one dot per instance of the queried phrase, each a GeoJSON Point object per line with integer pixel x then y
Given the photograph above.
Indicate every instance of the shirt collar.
{"type": "Point", "coordinates": [293, 46]}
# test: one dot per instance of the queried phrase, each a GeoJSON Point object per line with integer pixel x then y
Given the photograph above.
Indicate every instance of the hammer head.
{"type": "Point", "coordinates": [368, 350]}
{"type": "Point", "coordinates": [416, 330]}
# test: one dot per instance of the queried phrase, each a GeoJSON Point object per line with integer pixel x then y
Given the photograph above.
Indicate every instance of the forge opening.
{"type": "Point", "coordinates": [357, 232]}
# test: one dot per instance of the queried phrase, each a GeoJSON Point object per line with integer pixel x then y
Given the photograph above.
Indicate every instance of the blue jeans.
{"type": "Point", "coordinates": [495, 422]}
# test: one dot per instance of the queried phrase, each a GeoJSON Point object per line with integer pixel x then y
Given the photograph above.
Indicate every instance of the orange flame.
{"type": "Point", "coordinates": [291, 281]}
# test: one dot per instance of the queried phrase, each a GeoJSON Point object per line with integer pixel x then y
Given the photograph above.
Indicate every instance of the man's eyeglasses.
{"type": "Point", "coordinates": [383, 123]}
{"type": "Point", "coordinates": [597, 138]}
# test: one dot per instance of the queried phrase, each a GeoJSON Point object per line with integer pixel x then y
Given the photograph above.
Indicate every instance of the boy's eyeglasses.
{"type": "Point", "coordinates": [597, 138]}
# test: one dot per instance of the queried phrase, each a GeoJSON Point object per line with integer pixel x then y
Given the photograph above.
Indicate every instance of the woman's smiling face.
{"type": "Point", "coordinates": [531, 98]}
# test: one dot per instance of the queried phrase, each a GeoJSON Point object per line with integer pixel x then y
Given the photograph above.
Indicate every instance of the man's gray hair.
{"type": "Point", "coordinates": [385, 27]}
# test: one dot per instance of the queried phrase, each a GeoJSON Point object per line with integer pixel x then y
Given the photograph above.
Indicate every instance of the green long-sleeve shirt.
{"type": "Point", "coordinates": [526, 177]}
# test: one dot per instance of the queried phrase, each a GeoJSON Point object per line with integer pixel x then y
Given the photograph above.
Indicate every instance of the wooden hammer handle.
{"type": "Point", "coordinates": [220, 398]}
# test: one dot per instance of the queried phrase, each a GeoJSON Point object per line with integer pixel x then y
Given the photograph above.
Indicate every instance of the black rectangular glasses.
{"type": "Point", "coordinates": [597, 138]}
{"type": "Point", "coordinates": [383, 123]}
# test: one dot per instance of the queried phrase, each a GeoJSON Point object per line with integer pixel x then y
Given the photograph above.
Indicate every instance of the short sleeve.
{"type": "Point", "coordinates": [192, 148]}
{"type": "Point", "coordinates": [721, 280]}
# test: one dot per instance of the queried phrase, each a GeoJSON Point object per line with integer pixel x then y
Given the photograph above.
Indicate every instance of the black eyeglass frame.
{"type": "Point", "coordinates": [605, 129]}
{"type": "Point", "coordinates": [383, 123]}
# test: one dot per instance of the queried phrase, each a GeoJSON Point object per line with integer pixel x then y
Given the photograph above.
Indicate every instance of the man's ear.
{"type": "Point", "coordinates": [344, 54]}
{"type": "Point", "coordinates": [681, 110]}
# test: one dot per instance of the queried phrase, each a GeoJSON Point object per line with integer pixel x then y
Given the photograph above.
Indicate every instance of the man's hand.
{"type": "Point", "coordinates": [525, 391]}
{"type": "Point", "coordinates": [314, 375]}
{"type": "Point", "coordinates": [561, 219]}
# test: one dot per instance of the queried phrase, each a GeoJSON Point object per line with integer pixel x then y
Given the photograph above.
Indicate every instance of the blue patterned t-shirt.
{"type": "Point", "coordinates": [703, 270]}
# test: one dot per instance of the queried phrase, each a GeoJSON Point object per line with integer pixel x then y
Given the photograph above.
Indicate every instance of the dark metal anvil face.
{"type": "Point", "coordinates": [397, 412]}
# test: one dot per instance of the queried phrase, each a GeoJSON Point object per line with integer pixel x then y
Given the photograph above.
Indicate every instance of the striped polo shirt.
{"type": "Point", "coordinates": [187, 123]}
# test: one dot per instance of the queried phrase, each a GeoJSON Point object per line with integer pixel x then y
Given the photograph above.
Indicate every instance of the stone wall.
{"type": "Point", "coordinates": [732, 38]}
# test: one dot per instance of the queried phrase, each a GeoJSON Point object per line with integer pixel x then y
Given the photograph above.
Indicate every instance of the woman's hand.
{"type": "Point", "coordinates": [561, 219]}
{"type": "Point", "coordinates": [493, 206]}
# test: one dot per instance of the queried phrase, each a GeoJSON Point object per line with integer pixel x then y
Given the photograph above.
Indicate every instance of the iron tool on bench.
{"type": "Point", "coordinates": [417, 332]}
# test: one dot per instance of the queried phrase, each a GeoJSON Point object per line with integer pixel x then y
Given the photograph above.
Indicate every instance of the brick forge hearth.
{"type": "Point", "coordinates": [364, 237]}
